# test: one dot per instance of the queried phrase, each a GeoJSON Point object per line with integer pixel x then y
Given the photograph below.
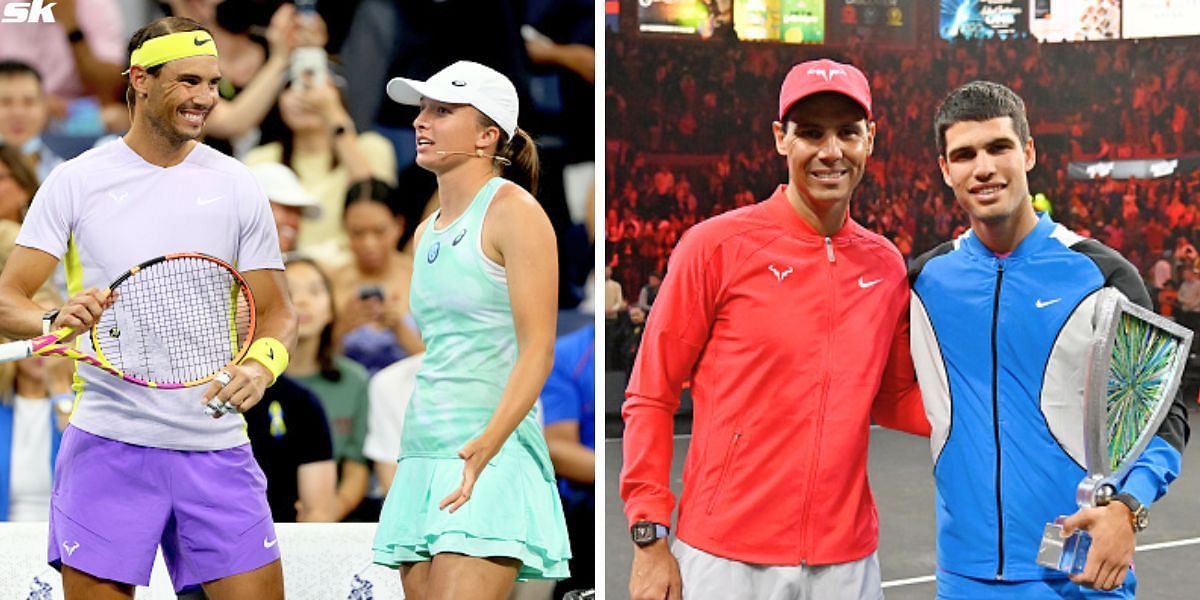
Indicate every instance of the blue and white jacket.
{"type": "Point", "coordinates": [7, 414]}
{"type": "Point", "coordinates": [1000, 347]}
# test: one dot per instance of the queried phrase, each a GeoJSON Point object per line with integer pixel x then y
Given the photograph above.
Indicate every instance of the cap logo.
{"type": "Point", "coordinates": [458, 83]}
{"type": "Point", "coordinates": [827, 75]}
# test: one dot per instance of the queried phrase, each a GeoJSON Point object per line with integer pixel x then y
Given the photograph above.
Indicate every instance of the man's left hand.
{"type": "Point", "coordinates": [248, 382]}
{"type": "Point", "coordinates": [1113, 541]}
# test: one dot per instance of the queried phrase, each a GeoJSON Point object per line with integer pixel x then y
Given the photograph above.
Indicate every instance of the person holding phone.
{"type": "Point", "coordinates": [473, 505]}
{"type": "Point", "coordinates": [371, 291]}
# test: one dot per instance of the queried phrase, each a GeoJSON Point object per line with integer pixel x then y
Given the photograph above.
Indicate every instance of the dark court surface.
{"type": "Point", "coordinates": [902, 482]}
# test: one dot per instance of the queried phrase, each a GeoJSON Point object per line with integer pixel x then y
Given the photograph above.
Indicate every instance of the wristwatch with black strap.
{"type": "Point", "coordinates": [645, 533]}
{"type": "Point", "coordinates": [1139, 517]}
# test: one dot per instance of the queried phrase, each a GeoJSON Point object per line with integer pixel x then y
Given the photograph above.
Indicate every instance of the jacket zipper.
{"type": "Point", "coordinates": [996, 417]}
{"type": "Point", "coordinates": [825, 383]}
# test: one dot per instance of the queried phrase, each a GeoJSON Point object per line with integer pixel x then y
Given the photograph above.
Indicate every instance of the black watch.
{"type": "Point", "coordinates": [1140, 517]}
{"type": "Point", "coordinates": [645, 533]}
{"type": "Point", "coordinates": [48, 320]}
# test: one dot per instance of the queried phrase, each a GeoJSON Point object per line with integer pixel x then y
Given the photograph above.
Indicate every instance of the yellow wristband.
{"type": "Point", "coordinates": [271, 353]}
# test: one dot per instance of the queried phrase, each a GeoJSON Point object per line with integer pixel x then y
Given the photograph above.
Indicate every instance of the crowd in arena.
{"type": "Point", "coordinates": [689, 137]}
{"type": "Point", "coordinates": [337, 163]}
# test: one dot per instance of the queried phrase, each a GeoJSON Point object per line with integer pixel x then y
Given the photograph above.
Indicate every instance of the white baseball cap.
{"type": "Point", "coordinates": [283, 187]}
{"type": "Point", "coordinates": [464, 82]}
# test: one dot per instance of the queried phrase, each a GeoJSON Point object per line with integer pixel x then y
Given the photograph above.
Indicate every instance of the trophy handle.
{"type": "Point", "coordinates": [1095, 490]}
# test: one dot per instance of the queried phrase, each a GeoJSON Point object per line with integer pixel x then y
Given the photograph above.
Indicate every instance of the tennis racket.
{"type": "Point", "coordinates": [175, 322]}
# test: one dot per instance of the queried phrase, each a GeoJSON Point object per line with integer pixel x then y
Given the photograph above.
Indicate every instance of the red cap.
{"type": "Point", "coordinates": [824, 75]}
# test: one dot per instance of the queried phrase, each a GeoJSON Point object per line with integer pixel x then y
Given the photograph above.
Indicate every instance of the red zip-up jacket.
{"type": "Point", "coordinates": [792, 342]}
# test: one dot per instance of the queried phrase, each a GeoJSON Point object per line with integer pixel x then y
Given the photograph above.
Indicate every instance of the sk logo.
{"type": "Point", "coordinates": [433, 252]}
{"type": "Point", "coordinates": [458, 238]}
{"type": "Point", "coordinates": [778, 275]}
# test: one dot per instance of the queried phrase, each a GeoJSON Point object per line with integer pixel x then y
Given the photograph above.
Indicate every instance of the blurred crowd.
{"type": "Point", "coordinates": [303, 105]}
{"type": "Point", "coordinates": [689, 137]}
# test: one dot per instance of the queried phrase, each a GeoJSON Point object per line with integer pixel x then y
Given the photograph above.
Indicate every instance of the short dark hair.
{"type": "Point", "coordinates": [156, 28]}
{"type": "Point", "coordinates": [979, 101]}
{"type": "Point", "coordinates": [13, 68]}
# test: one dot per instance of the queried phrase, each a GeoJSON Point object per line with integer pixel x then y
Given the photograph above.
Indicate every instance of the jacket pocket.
{"type": "Point", "coordinates": [726, 465]}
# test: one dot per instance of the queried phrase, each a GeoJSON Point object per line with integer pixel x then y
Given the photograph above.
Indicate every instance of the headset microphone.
{"type": "Point", "coordinates": [477, 154]}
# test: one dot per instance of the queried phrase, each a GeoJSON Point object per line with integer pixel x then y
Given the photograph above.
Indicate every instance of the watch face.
{"type": "Point", "coordinates": [1143, 518]}
{"type": "Point", "coordinates": [643, 532]}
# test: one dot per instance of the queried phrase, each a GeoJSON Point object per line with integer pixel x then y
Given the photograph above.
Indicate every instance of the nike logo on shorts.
{"type": "Point", "coordinates": [270, 543]}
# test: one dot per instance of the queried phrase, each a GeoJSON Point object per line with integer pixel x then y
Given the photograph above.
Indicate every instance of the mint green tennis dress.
{"type": "Point", "coordinates": [460, 300]}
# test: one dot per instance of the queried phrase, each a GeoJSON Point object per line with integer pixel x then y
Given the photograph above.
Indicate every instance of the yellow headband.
{"type": "Point", "coordinates": [173, 46]}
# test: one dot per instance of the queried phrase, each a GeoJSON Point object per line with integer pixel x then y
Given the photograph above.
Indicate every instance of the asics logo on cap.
{"type": "Point", "coordinates": [827, 75]}
{"type": "Point", "coordinates": [458, 83]}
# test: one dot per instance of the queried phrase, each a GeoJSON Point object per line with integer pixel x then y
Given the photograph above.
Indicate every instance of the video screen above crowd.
{"type": "Point", "coordinates": [1116, 125]}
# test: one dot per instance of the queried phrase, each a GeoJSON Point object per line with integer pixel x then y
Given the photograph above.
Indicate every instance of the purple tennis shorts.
{"type": "Point", "coordinates": [115, 503]}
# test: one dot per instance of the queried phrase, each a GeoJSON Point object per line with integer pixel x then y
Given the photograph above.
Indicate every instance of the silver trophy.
{"type": "Point", "coordinates": [1136, 363]}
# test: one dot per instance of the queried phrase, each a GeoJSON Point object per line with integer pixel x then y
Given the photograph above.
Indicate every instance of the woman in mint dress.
{"type": "Point", "coordinates": [473, 506]}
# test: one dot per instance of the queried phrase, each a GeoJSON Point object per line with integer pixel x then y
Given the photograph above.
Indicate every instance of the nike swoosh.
{"type": "Point", "coordinates": [271, 353]}
{"type": "Point", "coordinates": [1040, 304]}
{"type": "Point", "coordinates": [866, 284]}
{"type": "Point", "coordinates": [200, 42]}
{"type": "Point", "coordinates": [270, 544]}
{"type": "Point", "coordinates": [207, 201]}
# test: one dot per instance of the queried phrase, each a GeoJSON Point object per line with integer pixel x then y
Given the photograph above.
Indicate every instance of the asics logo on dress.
{"type": "Point", "coordinates": [779, 275]}
{"type": "Point", "coordinates": [1044, 303]}
{"type": "Point", "coordinates": [202, 201]}
{"type": "Point", "coordinates": [866, 284]}
{"type": "Point", "coordinates": [270, 543]}
{"type": "Point", "coordinates": [70, 547]}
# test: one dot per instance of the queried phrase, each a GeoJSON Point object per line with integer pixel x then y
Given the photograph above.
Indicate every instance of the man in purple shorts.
{"type": "Point", "coordinates": [140, 468]}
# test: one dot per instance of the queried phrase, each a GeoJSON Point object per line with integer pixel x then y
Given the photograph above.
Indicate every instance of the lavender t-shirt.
{"type": "Point", "coordinates": [108, 210]}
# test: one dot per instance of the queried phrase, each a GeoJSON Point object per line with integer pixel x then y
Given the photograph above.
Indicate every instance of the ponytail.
{"type": "Point", "coordinates": [524, 167]}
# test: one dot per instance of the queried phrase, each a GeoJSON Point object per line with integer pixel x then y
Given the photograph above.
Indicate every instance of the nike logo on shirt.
{"type": "Point", "coordinates": [866, 284]}
{"type": "Point", "coordinates": [1044, 303]}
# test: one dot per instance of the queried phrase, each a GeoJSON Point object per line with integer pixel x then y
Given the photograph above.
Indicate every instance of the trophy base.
{"type": "Point", "coordinates": [1068, 554]}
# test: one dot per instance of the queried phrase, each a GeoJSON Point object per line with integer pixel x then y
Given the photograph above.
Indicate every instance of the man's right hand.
{"type": "Point", "coordinates": [655, 573]}
{"type": "Point", "coordinates": [83, 310]}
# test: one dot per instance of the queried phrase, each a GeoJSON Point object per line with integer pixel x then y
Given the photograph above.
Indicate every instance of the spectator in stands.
{"type": "Point", "coordinates": [327, 154]}
{"type": "Point", "coordinates": [338, 382]}
{"type": "Point", "coordinates": [253, 68]}
{"type": "Point", "coordinates": [1167, 299]}
{"type": "Point", "coordinates": [18, 184]}
{"type": "Point", "coordinates": [629, 337]}
{"type": "Point", "coordinates": [24, 112]}
{"type": "Point", "coordinates": [569, 409]}
{"type": "Point", "coordinates": [35, 400]}
{"type": "Point", "coordinates": [372, 291]}
{"type": "Point", "coordinates": [1189, 298]}
{"type": "Point", "coordinates": [649, 292]}
{"type": "Point", "coordinates": [291, 441]}
{"type": "Point", "coordinates": [614, 296]}
{"type": "Point", "coordinates": [79, 53]}
{"type": "Point", "coordinates": [290, 202]}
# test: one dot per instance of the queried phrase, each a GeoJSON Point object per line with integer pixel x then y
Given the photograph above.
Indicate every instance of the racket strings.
{"type": "Point", "coordinates": [175, 321]}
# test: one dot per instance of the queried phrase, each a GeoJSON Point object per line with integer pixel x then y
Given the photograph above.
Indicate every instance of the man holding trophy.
{"type": "Point", "coordinates": [1009, 322]}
